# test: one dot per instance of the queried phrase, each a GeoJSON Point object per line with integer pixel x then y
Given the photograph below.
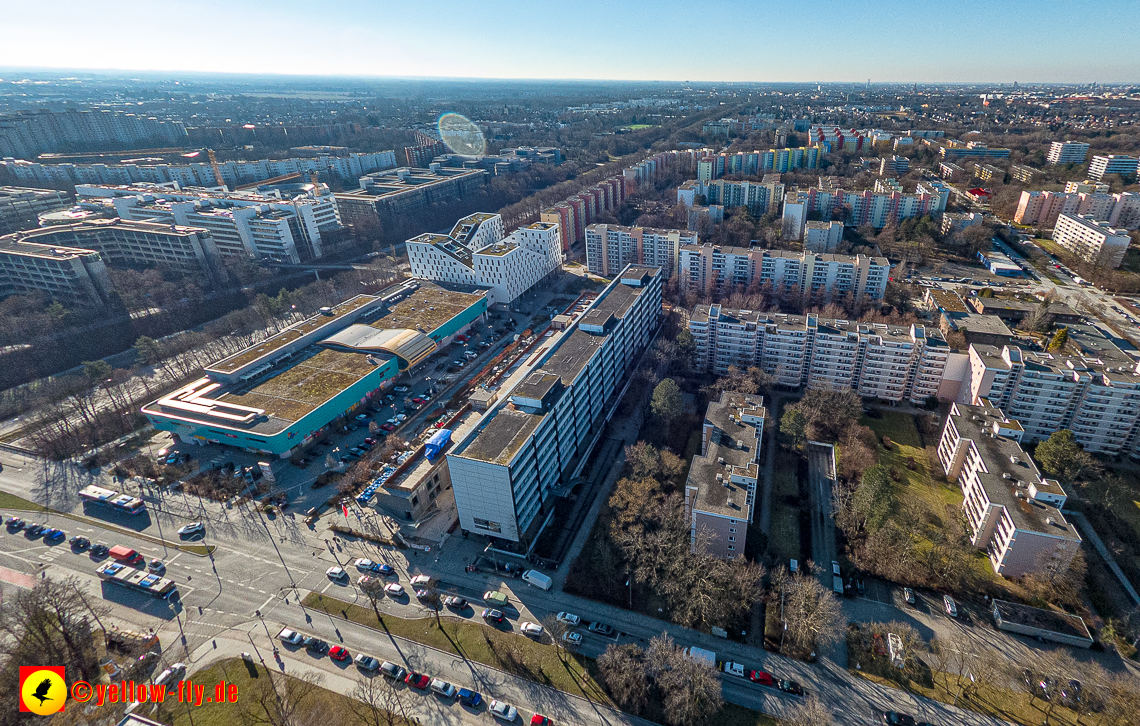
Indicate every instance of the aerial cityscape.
{"type": "Point", "coordinates": [501, 383]}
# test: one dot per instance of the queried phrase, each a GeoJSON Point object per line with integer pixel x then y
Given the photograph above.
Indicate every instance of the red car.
{"type": "Point", "coordinates": [388, 427]}
{"type": "Point", "coordinates": [418, 680]}
{"type": "Point", "coordinates": [419, 400]}
{"type": "Point", "coordinates": [764, 678]}
{"type": "Point", "coordinates": [461, 338]}
{"type": "Point", "coordinates": [539, 720]}
{"type": "Point", "coordinates": [339, 652]}
{"type": "Point", "coordinates": [370, 440]}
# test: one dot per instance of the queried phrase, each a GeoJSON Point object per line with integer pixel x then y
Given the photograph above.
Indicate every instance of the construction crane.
{"type": "Point", "coordinates": [217, 169]}
{"type": "Point", "coordinates": [274, 180]}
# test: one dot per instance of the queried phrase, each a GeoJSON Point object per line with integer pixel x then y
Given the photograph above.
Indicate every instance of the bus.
{"type": "Point", "coordinates": [113, 499]}
{"type": "Point", "coordinates": [135, 579]}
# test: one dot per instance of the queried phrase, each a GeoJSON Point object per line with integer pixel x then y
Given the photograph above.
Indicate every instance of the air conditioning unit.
{"type": "Point", "coordinates": [720, 460]}
{"type": "Point", "coordinates": [1006, 476]}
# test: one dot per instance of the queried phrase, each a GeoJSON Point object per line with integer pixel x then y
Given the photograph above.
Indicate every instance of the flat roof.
{"type": "Point", "coordinates": [503, 436]}
{"type": "Point", "coordinates": [429, 306]}
{"type": "Point", "coordinates": [1041, 619]}
{"type": "Point", "coordinates": [732, 450]}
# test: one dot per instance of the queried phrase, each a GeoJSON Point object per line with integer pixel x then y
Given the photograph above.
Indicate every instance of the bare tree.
{"type": "Point", "coordinates": [809, 712]}
{"type": "Point", "coordinates": [690, 692]}
{"type": "Point", "coordinates": [376, 703]}
{"type": "Point", "coordinates": [812, 614]}
{"type": "Point", "coordinates": [623, 671]}
{"type": "Point", "coordinates": [282, 702]}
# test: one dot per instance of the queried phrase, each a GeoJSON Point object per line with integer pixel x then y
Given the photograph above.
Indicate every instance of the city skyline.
{"type": "Point", "coordinates": [587, 41]}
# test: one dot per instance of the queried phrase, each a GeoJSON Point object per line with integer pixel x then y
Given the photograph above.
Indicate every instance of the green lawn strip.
{"type": "Point", "coordinates": [325, 707]}
{"type": "Point", "coordinates": [480, 643]}
{"type": "Point", "coordinates": [784, 538]}
{"type": "Point", "coordinates": [11, 501]}
{"type": "Point", "coordinates": [993, 702]}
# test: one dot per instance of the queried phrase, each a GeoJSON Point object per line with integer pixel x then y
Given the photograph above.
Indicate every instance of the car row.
{"type": "Point", "coordinates": [764, 678]}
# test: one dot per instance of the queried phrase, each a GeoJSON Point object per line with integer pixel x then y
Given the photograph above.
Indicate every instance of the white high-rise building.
{"type": "Point", "coordinates": [609, 248]}
{"type": "Point", "coordinates": [1113, 164]}
{"type": "Point", "coordinates": [1091, 240]}
{"type": "Point", "coordinates": [802, 275]}
{"type": "Point", "coordinates": [476, 253]}
{"type": "Point", "coordinates": [1067, 152]}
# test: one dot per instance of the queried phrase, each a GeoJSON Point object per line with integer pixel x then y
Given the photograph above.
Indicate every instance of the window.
{"type": "Point", "coordinates": [732, 530]}
{"type": "Point", "coordinates": [488, 525]}
{"type": "Point", "coordinates": [731, 539]}
{"type": "Point", "coordinates": [731, 548]}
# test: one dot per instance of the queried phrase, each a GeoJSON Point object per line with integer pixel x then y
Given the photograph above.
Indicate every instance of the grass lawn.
{"type": "Point", "coordinates": [508, 651]}
{"type": "Point", "coordinates": [638, 127]}
{"type": "Point", "coordinates": [784, 539]}
{"type": "Point", "coordinates": [326, 707]}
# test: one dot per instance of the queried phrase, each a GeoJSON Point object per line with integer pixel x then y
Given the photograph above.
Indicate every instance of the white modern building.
{"type": "Point", "coordinates": [1091, 240]}
{"type": "Point", "coordinates": [1067, 152]}
{"type": "Point", "coordinates": [889, 362]}
{"type": "Point", "coordinates": [1095, 395]}
{"type": "Point", "coordinates": [823, 236]}
{"type": "Point", "coordinates": [609, 248]}
{"type": "Point", "coordinates": [788, 275]}
{"type": "Point", "coordinates": [1014, 514]}
{"type": "Point", "coordinates": [477, 253]}
{"type": "Point", "coordinates": [289, 223]}
{"type": "Point", "coordinates": [1113, 164]}
{"type": "Point", "coordinates": [506, 472]}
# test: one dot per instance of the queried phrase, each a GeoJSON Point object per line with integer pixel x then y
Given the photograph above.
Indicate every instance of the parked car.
{"type": "Point", "coordinates": [189, 530]}
{"type": "Point", "coordinates": [455, 602]}
{"type": "Point", "coordinates": [764, 678]}
{"type": "Point", "coordinates": [539, 720]}
{"type": "Point", "coordinates": [418, 680]}
{"type": "Point", "coordinates": [79, 543]}
{"type": "Point", "coordinates": [400, 389]}
{"type": "Point", "coordinates": [950, 606]}
{"type": "Point", "coordinates": [14, 524]}
{"type": "Point", "coordinates": [894, 718]}
{"type": "Point", "coordinates": [494, 597]}
{"type": "Point", "coordinates": [99, 550]}
{"type": "Point", "coordinates": [381, 569]}
{"type": "Point", "coordinates": [364, 565]}
{"type": "Point", "coordinates": [533, 630]}
{"type": "Point", "coordinates": [493, 615]}
{"type": "Point", "coordinates": [572, 638]}
{"type": "Point", "coordinates": [393, 671]}
{"type": "Point", "coordinates": [336, 573]}
{"type": "Point", "coordinates": [470, 698]}
{"type": "Point", "coordinates": [315, 645]}
{"type": "Point", "coordinates": [291, 637]}
{"type": "Point", "coordinates": [602, 629]}
{"type": "Point", "coordinates": [504, 711]}
{"type": "Point", "coordinates": [909, 597]}
{"type": "Point", "coordinates": [52, 535]}
{"type": "Point", "coordinates": [791, 687]}
{"type": "Point", "coordinates": [366, 662]}
{"type": "Point", "coordinates": [156, 566]}
{"type": "Point", "coordinates": [442, 688]}
{"type": "Point", "coordinates": [568, 618]}
{"type": "Point", "coordinates": [394, 589]}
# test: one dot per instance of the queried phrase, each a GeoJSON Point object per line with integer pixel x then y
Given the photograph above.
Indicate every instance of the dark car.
{"type": "Point", "coordinates": [34, 530]}
{"type": "Point", "coordinates": [470, 698]}
{"type": "Point", "coordinates": [100, 550]}
{"type": "Point", "coordinates": [894, 718]}
{"type": "Point", "coordinates": [493, 615]}
{"type": "Point", "coordinates": [602, 629]}
{"type": "Point", "coordinates": [381, 569]}
{"type": "Point", "coordinates": [418, 680]}
{"type": "Point", "coordinates": [315, 645]}
{"type": "Point", "coordinates": [79, 543]}
{"type": "Point", "coordinates": [54, 535]}
{"type": "Point", "coordinates": [455, 602]}
{"type": "Point", "coordinates": [393, 671]}
{"type": "Point", "coordinates": [790, 687]}
{"type": "Point", "coordinates": [14, 524]}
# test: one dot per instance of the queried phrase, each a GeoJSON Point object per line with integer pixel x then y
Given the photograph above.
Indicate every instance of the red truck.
{"type": "Point", "coordinates": [125, 554]}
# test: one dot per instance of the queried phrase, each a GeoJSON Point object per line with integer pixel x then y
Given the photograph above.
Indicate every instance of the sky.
{"type": "Point", "coordinates": [675, 40]}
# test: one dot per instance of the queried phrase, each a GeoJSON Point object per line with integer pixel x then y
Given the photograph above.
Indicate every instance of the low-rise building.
{"type": "Point", "coordinates": [971, 150]}
{"type": "Point", "coordinates": [477, 253]}
{"type": "Point", "coordinates": [386, 195]}
{"type": "Point", "coordinates": [1023, 174]}
{"type": "Point", "coordinates": [1091, 240]}
{"type": "Point", "coordinates": [1012, 511]}
{"type": "Point", "coordinates": [610, 247]}
{"type": "Point", "coordinates": [951, 172]}
{"type": "Point", "coordinates": [720, 491]}
{"type": "Point", "coordinates": [889, 362]}
{"type": "Point", "coordinates": [986, 172]}
{"type": "Point", "coordinates": [1042, 624]}
{"type": "Point", "coordinates": [20, 207]}
{"type": "Point", "coordinates": [954, 223]}
{"type": "Point", "coordinates": [1000, 263]}
{"type": "Point", "coordinates": [955, 317]}
{"type": "Point", "coordinates": [533, 442]}
{"type": "Point", "coordinates": [788, 275]}
{"type": "Point", "coordinates": [1067, 152]}
{"type": "Point", "coordinates": [894, 166]}
{"type": "Point", "coordinates": [1014, 311]}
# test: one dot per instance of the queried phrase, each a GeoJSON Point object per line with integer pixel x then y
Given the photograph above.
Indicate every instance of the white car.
{"type": "Point", "coordinates": [568, 618]}
{"type": "Point", "coordinates": [572, 638]}
{"type": "Point", "coordinates": [292, 637]}
{"type": "Point", "coordinates": [442, 687]}
{"type": "Point", "coordinates": [400, 389]}
{"type": "Point", "coordinates": [191, 529]}
{"type": "Point", "coordinates": [394, 589]}
{"type": "Point", "coordinates": [504, 711]}
{"type": "Point", "coordinates": [363, 565]}
{"type": "Point", "coordinates": [336, 573]}
{"type": "Point", "coordinates": [534, 630]}
{"type": "Point", "coordinates": [400, 418]}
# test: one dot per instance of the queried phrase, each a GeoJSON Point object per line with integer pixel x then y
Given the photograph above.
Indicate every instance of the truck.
{"type": "Point", "coordinates": [836, 578]}
{"type": "Point", "coordinates": [701, 654]}
{"type": "Point", "coordinates": [536, 578]}
{"type": "Point", "coordinates": [125, 554]}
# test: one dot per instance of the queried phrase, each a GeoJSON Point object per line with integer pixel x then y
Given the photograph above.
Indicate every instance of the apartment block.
{"type": "Point", "coordinates": [971, 150]}
{"type": "Point", "coordinates": [418, 157]}
{"type": "Point", "coordinates": [574, 214]}
{"type": "Point", "coordinates": [988, 172]}
{"type": "Point", "coordinates": [1088, 186]}
{"type": "Point", "coordinates": [758, 197]}
{"type": "Point", "coordinates": [889, 362]}
{"type": "Point", "coordinates": [20, 208]}
{"type": "Point", "coordinates": [757, 163]}
{"type": "Point", "coordinates": [29, 133]}
{"type": "Point", "coordinates": [609, 248]}
{"type": "Point", "coordinates": [1096, 394]}
{"type": "Point", "coordinates": [1067, 152]}
{"type": "Point", "coordinates": [1125, 166]}
{"type": "Point", "coordinates": [823, 236]}
{"type": "Point", "coordinates": [894, 166]}
{"type": "Point", "coordinates": [190, 250]}
{"type": "Point", "coordinates": [477, 253]}
{"type": "Point", "coordinates": [877, 207]}
{"type": "Point", "coordinates": [386, 195]}
{"type": "Point", "coordinates": [70, 275]}
{"type": "Point", "coordinates": [720, 491]}
{"type": "Point", "coordinates": [789, 275]}
{"type": "Point", "coordinates": [1024, 174]}
{"type": "Point", "coordinates": [1089, 199]}
{"type": "Point", "coordinates": [286, 223]}
{"type": "Point", "coordinates": [1013, 512]}
{"type": "Point", "coordinates": [533, 443]}
{"type": "Point", "coordinates": [951, 172]}
{"type": "Point", "coordinates": [955, 222]}
{"type": "Point", "coordinates": [1091, 240]}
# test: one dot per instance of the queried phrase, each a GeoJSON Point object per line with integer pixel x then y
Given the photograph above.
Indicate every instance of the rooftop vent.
{"type": "Point", "coordinates": [1050, 520]}
{"type": "Point", "coordinates": [720, 460]}
{"type": "Point", "coordinates": [1014, 459]}
{"type": "Point", "coordinates": [1006, 476]}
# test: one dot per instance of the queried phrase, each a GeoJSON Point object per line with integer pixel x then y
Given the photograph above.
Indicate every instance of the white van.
{"type": "Point", "coordinates": [421, 581]}
{"type": "Point", "coordinates": [537, 579]}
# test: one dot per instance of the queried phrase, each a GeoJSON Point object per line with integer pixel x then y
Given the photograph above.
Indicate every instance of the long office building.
{"type": "Point", "coordinates": [1091, 240]}
{"type": "Point", "coordinates": [609, 248]}
{"type": "Point", "coordinates": [20, 208]}
{"type": "Point", "coordinates": [1095, 394]}
{"type": "Point", "coordinates": [534, 442]}
{"type": "Point", "coordinates": [1014, 513]}
{"type": "Point", "coordinates": [285, 223]}
{"type": "Point", "coordinates": [800, 276]}
{"type": "Point", "coordinates": [879, 207]}
{"type": "Point", "coordinates": [1121, 164]}
{"type": "Point", "coordinates": [199, 173]}
{"type": "Point", "coordinates": [477, 253]}
{"type": "Point", "coordinates": [1067, 152]}
{"type": "Point", "coordinates": [720, 490]}
{"type": "Point", "coordinates": [281, 393]}
{"type": "Point", "coordinates": [888, 362]}
{"type": "Point", "coordinates": [30, 133]}
{"type": "Point", "coordinates": [70, 275]}
{"type": "Point", "coordinates": [190, 250]}
{"type": "Point", "coordinates": [1092, 200]}
{"type": "Point", "coordinates": [387, 195]}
